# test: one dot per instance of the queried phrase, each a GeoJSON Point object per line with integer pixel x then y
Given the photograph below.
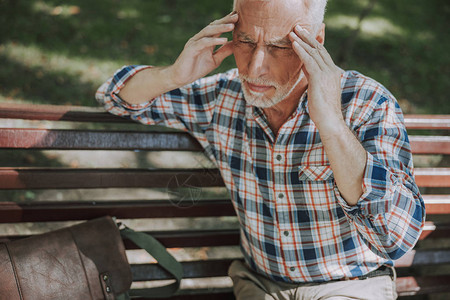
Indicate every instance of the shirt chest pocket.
{"type": "Point", "coordinates": [315, 173]}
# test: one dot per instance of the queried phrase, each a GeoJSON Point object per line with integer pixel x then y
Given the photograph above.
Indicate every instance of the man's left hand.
{"type": "Point", "coordinates": [324, 80]}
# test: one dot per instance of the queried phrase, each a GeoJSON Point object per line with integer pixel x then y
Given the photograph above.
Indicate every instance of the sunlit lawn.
{"type": "Point", "coordinates": [58, 52]}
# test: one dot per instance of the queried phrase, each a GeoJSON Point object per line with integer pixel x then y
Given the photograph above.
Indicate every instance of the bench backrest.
{"type": "Point", "coordinates": [434, 182]}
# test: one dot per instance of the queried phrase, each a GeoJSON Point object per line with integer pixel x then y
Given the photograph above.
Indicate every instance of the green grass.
{"type": "Point", "coordinates": [59, 52]}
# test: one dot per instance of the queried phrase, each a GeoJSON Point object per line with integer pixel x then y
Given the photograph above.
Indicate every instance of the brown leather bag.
{"type": "Point", "coordinates": [85, 261]}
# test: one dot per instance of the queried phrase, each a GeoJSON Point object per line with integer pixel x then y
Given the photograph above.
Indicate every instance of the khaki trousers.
{"type": "Point", "coordinates": [248, 285]}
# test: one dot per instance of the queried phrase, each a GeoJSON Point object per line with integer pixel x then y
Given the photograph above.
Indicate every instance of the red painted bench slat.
{"type": "Point", "coordinates": [11, 212]}
{"type": "Point", "coordinates": [64, 178]}
{"type": "Point", "coordinates": [430, 144]}
{"type": "Point", "coordinates": [12, 138]}
{"type": "Point", "coordinates": [432, 177]}
{"type": "Point", "coordinates": [94, 114]}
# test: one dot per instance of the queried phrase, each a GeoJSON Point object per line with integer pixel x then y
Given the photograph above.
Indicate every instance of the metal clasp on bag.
{"type": "Point", "coordinates": [119, 225]}
{"type": "Point", "coordinates": [105, 281]}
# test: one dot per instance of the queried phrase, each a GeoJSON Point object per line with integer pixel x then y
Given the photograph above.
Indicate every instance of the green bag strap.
{"type": "Point", "coordinates": [164, 258]}
{"type": "Point", "coordinates": [124, 296]}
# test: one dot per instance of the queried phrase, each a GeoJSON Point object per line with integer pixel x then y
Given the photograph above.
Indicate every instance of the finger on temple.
{"type": "Point", "coordinates": [218, 29]}
{"type": "Point", "coordinates": [211, 41]}
{"type": "Point", "coordinates": [321, 57]}
{"type": "Point", "coordinates": [312, 46]}
{"type": "Point", "coordinates": [214, 30]}
{"type": "Point", "coordinates": [309, 62]}
{"type": "Point", "coordinates": [307, 47]}
{"type": "Point", "coordinates": [232, 17]}
{"type": "Point", "coordinates": [306, 36]}
{"type": "Point", "coordinates": [223, 52]}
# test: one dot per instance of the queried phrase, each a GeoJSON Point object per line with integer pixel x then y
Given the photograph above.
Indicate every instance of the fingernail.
{"type": "Point", "coordinates": [301, 29]}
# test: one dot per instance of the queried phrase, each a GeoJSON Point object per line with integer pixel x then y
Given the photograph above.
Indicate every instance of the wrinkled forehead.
{"type": "Point", "coordinates": [273, 16]}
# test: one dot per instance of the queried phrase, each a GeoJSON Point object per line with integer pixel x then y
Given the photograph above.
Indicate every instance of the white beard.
{"type": "Point", "coordinates": [260, 99]}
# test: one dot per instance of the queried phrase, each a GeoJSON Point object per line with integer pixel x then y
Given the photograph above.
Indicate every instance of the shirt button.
{"type": "Point", "coordinates": [279, 157]}
{"type": "Point", "coordinates": [281, 195]}
{"type": "Point", "coordinates": [292, 269]}
{"type": "Point", "coordinates": [286, 233]}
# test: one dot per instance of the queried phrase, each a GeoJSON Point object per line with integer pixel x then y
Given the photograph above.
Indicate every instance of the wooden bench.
{"type": "Point", "coordinates": [27, 128]}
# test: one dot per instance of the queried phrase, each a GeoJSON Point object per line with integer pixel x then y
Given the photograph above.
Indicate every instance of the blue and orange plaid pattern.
{"type": "Point", "coordinates": [295, 226]}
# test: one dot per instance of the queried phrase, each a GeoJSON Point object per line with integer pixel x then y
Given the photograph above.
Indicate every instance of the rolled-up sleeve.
{"type": "Point", "coordinates": [390, 213]}
{"type": "Point", "coordinates": [108, 93]}
{"type": "Point", "coordinates": [189, 108]}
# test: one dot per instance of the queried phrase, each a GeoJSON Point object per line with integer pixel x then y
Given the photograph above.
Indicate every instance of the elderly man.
{"type": "Point", "coordinates": [316, 159]}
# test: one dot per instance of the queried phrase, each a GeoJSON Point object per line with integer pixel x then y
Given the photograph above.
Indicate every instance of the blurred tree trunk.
{"type": "Point", "coordinates": [348, 44]}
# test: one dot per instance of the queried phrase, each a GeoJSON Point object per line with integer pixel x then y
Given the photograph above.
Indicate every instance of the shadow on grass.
{"type": "Point", "coordinates": [140, 31]}
{"type": "Point", "coordinates": [44, 86]}
{"type": "Point", "coordinates": [413, 62]}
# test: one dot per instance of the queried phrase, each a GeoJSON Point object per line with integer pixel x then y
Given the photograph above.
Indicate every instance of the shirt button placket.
{"type": "Point", "coordinates": [281, 199]}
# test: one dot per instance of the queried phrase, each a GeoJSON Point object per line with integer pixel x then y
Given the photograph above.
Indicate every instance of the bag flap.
{"type": "Point", "coordinates": [100, 243]}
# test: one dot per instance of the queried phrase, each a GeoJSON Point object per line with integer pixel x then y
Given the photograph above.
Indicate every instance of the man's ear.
{"type": "Point", "coordinates": [320, 37]}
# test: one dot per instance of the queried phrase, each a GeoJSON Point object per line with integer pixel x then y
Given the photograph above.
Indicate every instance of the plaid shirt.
{"type": "Point", "coordinates": [295, 225]}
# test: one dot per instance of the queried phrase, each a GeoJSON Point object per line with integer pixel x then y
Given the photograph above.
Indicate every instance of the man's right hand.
{"type": "Point", "coordinates": [197, 59]}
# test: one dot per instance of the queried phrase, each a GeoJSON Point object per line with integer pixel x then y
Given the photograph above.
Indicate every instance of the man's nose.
{"type": "Point", "coordinates": [257, 65]}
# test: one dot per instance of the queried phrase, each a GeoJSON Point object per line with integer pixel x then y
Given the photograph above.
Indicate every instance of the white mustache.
{"type": "Point", "coordinates": [259, 81]}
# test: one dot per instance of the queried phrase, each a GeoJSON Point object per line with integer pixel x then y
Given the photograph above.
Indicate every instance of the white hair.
{"type": "Point", "coordinates": [316, 10]}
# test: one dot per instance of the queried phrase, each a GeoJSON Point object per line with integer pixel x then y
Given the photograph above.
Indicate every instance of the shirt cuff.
{"type": "Point", "coordinates": [378, 188]}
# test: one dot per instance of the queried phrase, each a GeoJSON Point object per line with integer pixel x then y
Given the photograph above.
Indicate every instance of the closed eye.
{"type": "Point", "coordinates": [281, 47]}
{"type": "Point", "coordinates": [246, 42]}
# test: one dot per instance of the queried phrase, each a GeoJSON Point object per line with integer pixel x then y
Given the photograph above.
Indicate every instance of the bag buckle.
{"type": "Point", "coordinates": [105, 281]}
